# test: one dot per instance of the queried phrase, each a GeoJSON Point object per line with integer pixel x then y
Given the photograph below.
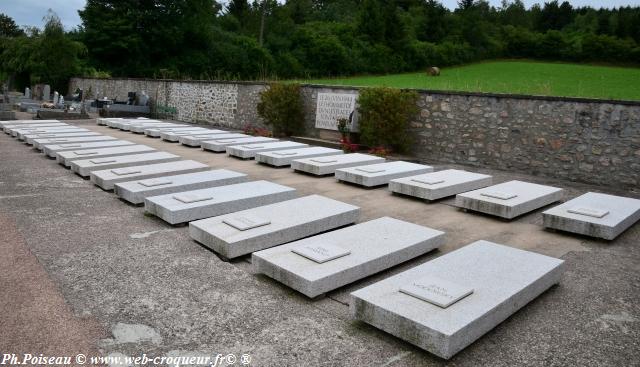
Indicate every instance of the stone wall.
{"type": "Point", "coordinates": [584, 140]}
{"type": "Point", "coordinates": [580, 140]}
{"type": "Point", "coordinates": [218, 104]}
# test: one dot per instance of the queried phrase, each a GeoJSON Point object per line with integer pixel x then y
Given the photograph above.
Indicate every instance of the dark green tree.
{"type": "Point", "coordinates": [371, 21]}
{"type": "Point", "coordinates": [8, 27]}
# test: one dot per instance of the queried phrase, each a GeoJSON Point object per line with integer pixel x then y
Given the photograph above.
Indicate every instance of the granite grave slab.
{"type": "Point", "coordinates": [282, 158]}
{"type": "Point", "coordinates": [195, 140]}
{"type": "Point", "coordinates": [220, 145]}
{"type": "Point", "coordinates": [248, 151]}
{"type": "Point", "coordinates": [437, 185]}
{"type": "Point", "coordinates": [509, 199]}
{"type": "Point", "coordinates": [174, 136]}
{"type": "Point", "coordinates": [84, 167]}
{"type": "Point", "coordinates": [52, 149]}
{"type": "Point", "coordinates": [26, 122]}
{"type": "Point", "coordinates": [155, 132]}
{"type": "Point", "coordinates": [140, 129]}
{"type": "Point", "coordinates": [380, 174]}
{"type": "Point", "coordinates": [136, 191]}
{"type": "Point", "coordinates": [322, 263]}
{"type": "Point", "coordinates": [51, 133]}
{"type": "Point", "coordinates": [594, 214]}
{"type": "Point", "coordinates": [39, 142]}
{"type": "Point", "coordinates": [247, 231]}
{"type": "Point", "coordinates": [126, 124]}
{"type": "Point", "coordinates": [446, 304]}
{"type": "Point", "coordinates": [106, 179]}
{"type": "Point", "coordinates": [14, 130]}
{"type": "Point", "coordinates": [321, 166]}
{"type": "Point", "coordinates": [198, 204]}
{"type": "Point", "coordinates": [8, 128]}
{"type": "Point", "coordinates": [65, 158]}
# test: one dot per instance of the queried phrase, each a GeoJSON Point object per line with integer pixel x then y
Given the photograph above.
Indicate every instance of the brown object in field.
{"type": "Point", "coordinates": [47, 105]}
{"type": "Point", "coordinates": [433, 71]}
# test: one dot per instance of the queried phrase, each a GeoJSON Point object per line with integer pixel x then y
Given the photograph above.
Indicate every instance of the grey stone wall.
{"type": "Point", "coordinates": [215, 103]}
{"type": "Point", "coordinates": [582, 140]}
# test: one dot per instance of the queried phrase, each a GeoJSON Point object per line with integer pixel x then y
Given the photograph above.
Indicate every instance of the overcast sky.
{"type": "Point", "coordinates": [31, 12]}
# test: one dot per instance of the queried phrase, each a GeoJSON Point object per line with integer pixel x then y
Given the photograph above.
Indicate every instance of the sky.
{"type": "Point", "coordinates": [31, 12]}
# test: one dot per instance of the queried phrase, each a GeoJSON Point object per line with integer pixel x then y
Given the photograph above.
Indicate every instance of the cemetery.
{"type": "Point", "coordinates": [394, 270]}
{"type": "Point", "coordinates": [317, 184]}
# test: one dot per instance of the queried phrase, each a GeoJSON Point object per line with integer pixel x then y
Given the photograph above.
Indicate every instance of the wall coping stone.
{"type": "Point", "coordinates": [422, 91]}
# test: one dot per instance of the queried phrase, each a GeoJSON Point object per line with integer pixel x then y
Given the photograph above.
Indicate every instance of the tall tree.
{"type": "Point", "coordinates": [465, 4]}
{"type": "Point", "coordinates": [154, 35]}
{"type": "Point", "coordinates": [371, 22]}
{"type": "Point", "coordinates": [239, 9]}
{"type": "Point", "coordinates": [8, 27]}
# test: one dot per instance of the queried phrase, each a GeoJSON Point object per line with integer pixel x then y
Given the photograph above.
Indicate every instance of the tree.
{"type": "Point", "coordinates": [57, 58]}
{"type": "Point", "coordinates": [8, 27]}
{"type": "Point", "coordinates": [49, 56]}
{"type": "Point", "coordinates": [514, 13]}
{"type": "Point", "coordinates": [465, 4]}
{"type": "Point", "coordinates": [371, 22]}
{"type": "Point", "coordinates": [171, 35]}
{"type": "Point", "coordinates": [239, 9]}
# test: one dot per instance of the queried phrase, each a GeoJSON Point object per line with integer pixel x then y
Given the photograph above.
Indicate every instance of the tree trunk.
{"type": "Point", "coordinates": [264, 10]}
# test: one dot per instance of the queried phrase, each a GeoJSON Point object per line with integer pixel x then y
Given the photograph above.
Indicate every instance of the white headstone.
{"type": "Point", "coordinates": [46, 93]}
{"type": "Point", "coordinates": [27, 92]}
{"type": "Point", "coordinates": [143, 99]}
{"type": "Point", "coordinates": [55, 97]}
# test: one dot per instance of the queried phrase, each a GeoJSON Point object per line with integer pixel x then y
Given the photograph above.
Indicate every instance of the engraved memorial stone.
{"type": "Point", "coordinates": [438, 291]}
{"type": "Point", "coordinates": [191, 198]}
{"type": "Point", "coordinates": [499, 195]}
{"type": "Point", "coordinates": [245, 222]}
{"type": "Point", "coordinates": [125, 171]}
{"type": "Point", "coordinates": [596, 213]}
{"type": "Point", "coordinates": [155, 182]}
{"type": "Point", "coordinates": [333, 106]}
{"type": "Point", "coordinates": [101, 161]}
{"type": "Point", "coordinates": [321, 253]}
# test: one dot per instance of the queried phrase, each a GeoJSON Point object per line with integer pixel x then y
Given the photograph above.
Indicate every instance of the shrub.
{"type": "Point", "coordinates": [384, 117]}
{"type": "Point", "coordinates": [281, 107]}
{"type": "Point", "coordinates": [344, 126]}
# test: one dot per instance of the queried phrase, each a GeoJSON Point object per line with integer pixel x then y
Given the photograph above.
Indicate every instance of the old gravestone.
{"type": "Point", "coordinates": [332, 106]}
{"type": "Point", "coordinates": [46, 93]}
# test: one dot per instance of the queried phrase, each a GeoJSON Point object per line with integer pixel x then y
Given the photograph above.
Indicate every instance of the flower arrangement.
{"type": "Point", "coordinates": [348, 146]}
{"type": "Point", "coordinates": [257, 131]}
{"type": "Point", "coordinates": [380, 151]}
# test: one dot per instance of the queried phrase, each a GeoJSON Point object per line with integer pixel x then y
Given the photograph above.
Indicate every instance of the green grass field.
{"type": "Point", "coordinates": [516, 77]}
